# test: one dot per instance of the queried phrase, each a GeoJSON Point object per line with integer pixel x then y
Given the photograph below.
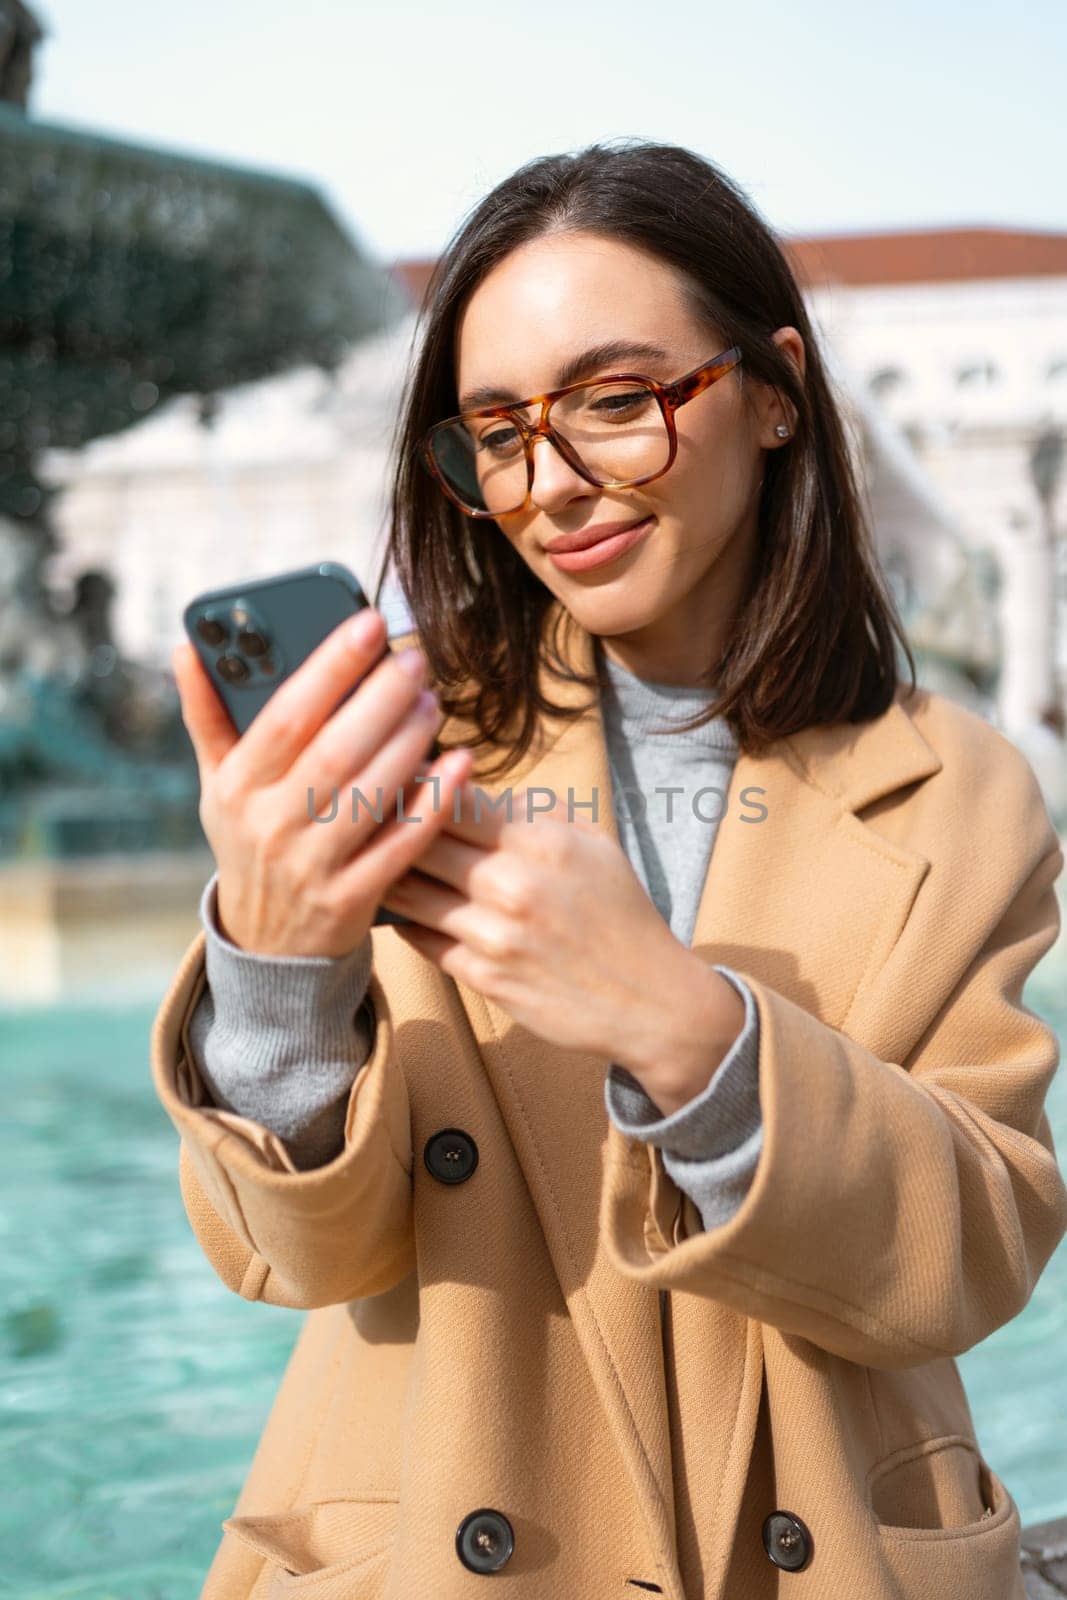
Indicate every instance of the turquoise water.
{"type": "Point", "coordinates": [135, 1386]}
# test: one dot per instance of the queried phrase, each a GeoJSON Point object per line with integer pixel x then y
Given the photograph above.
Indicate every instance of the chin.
{"type": "Point", "coordinates": [608, 616]}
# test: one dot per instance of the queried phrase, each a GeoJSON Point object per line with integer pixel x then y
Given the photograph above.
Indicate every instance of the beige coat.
{"type": "Point", "coordinates": [492, 1344]}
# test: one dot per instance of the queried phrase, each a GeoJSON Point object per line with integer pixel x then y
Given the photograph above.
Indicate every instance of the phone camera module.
{"type": "Point", "coordinates": [211, 631]}
{"type": "Point", "coordinates": [232, 668]}
{"type": "Point", "coordinates": [252, 643]}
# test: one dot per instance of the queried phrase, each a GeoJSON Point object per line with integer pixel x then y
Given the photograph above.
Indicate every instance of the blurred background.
{"type": "Point", "coordinates": [216, 226]}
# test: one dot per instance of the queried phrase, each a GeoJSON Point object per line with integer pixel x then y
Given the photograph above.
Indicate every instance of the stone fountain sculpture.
{"type": "Point", "coordinates": [127, 276]}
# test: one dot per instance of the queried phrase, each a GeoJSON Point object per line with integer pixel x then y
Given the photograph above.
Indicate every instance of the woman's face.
{"type": "Point", "coordinates": [679, 584]}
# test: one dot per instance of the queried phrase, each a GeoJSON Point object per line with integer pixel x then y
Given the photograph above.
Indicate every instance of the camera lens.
{"type": "Point", "coordinates": [232, 668]}
{"type": "Point", "coordinates": [252, 643]}
{"type": "Point", "coordinates": [212, 632]}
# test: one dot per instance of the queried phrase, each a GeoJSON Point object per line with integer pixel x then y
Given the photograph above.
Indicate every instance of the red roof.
{"type": "Point", "coordinates": [414, 275]}
{"type": "Point", "coordinates": [931, 255]}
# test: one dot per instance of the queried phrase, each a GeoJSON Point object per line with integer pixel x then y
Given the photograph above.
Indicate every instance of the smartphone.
{"type": "Point", "coordinates": [251, 636]}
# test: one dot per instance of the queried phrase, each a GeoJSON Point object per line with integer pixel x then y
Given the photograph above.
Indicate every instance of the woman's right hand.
{"type": "Point", "coordinates": [289, 884]}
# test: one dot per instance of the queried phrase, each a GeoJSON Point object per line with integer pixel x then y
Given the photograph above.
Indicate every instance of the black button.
{"type": "Point", "coordinates": [484, 1540]}
{"type": "Point", "coordinates": [787, 1541]}
{"type": "Point", "coordinates": [450, 1155]}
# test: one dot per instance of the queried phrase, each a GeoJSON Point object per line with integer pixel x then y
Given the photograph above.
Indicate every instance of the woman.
{"type": "Point", "coordinates": [703, 1345]}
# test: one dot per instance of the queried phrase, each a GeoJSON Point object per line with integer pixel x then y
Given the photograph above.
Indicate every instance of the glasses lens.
{"type": "Point", "coordinates": [616, 430]}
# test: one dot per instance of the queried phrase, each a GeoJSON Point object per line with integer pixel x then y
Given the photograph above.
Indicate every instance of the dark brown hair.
{"type": "Point", "coordinates": [814, 639]}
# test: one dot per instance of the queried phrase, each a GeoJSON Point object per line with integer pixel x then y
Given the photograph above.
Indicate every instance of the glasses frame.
{"type": "Point", "coordinates": [670, 397]}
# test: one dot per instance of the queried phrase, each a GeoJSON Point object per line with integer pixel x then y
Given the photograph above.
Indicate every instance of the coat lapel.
{"type": "Point", "coordinates": [800, 893]}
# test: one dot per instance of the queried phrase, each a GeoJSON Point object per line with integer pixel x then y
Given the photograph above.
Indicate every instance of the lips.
{"type": "Point", "coordinates": [585, 537]}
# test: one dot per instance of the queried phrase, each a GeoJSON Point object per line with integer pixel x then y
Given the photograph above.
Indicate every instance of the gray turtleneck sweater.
{"type": "Point", "coordinates": [280, 1039]}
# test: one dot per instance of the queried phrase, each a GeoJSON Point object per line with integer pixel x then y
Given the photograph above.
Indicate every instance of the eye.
{"type": "Point", "coordinates": [620, 404]}
{"type": "Point", "coordinates": [500, 441]}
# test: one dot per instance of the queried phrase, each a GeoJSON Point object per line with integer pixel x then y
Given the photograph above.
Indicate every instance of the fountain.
{"type": "Point", "coordinates": [128, 275]}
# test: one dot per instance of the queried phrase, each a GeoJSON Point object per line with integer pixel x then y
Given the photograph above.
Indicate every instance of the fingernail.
{"type": "Point", "coordinates": [427, 703]}
{"type": "Point", "coordinates": [361, 628]}
{"type": "Point", "coordinates": [412, 662]}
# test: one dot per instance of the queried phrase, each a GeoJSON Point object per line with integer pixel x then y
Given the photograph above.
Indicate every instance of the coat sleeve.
{"type": "Point", "coordinates": [900, 1211]}
{"type": "Point", "coordinates": [271, 1232]}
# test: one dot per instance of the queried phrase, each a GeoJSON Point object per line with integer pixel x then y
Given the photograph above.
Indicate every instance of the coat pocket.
{"type": "Point", "coordinates": [327, 1549]}
{"type": "Point", "coordinates": [947, 1523]}
{"type": "Point", "coordinates": [941, 1485]}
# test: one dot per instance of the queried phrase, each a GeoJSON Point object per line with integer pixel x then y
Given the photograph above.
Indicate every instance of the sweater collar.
{"type": "Point", "coordinates": [636, 707]}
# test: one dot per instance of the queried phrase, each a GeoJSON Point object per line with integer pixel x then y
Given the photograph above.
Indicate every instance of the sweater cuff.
{"type": "Point", "coordinates": [258, 992]}
{"type": "Point", "coordinates": [281, 1038]}
{"type": "Point", "coordinates": [721, 1119]}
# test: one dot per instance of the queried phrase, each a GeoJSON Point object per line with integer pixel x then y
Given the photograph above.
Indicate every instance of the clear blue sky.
{"type": "Point", "coordinates": [833, 115]}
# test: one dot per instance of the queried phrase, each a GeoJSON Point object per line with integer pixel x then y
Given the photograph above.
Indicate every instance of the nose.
{"type": "Point", "coordinates": [554, 479]}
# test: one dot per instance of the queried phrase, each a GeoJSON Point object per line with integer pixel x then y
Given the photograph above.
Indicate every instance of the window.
{"type": "Point", "coordinates": [885, 380]}
{"type": "Point", "coordinates": [976, 375]}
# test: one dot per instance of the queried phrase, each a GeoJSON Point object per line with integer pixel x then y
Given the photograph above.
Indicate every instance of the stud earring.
{"type": "Point", "coordinates": [782, 431]}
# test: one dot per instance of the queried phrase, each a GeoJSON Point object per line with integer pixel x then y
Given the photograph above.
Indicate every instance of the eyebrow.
{"type": "Point", "coordinates": [578, 366]}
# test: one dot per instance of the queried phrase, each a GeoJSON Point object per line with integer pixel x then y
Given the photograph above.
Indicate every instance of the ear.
{"type": "Point", "coordinates": [773, 407]}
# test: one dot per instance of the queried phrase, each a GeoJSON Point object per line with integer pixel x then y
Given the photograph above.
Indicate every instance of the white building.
{"type": "Point", "coordinates": [961, 335]}
{"type": "Point", "coordinates": [951, 352]}
{"type": "Point", "coordinates": [291, 470]}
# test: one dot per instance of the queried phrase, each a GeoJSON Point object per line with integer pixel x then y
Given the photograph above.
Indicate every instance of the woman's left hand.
{"type": "Point", "coordinates": [546, 917]}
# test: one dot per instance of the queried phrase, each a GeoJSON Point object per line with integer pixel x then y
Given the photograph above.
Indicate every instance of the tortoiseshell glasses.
{"type": "Point", "coordinates": [616, 431]}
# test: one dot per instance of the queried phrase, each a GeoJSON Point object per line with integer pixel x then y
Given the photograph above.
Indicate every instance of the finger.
{"type": "Point", "coordinates": [357, 731]}
{"type": "Point", "coordinates": [395, 844]}
{"type": "Point", "coordinates": [483, 931]}
{"type": "Point", "coordinates": [450, 955]}
{"type": "Point", "coordinates": [378, 787]}
{"type": "Point", "coordinates": [559, 810]}
{"type": "Point", "coordinates": [450, 860]}
{"type": "Point", "coordinates": [309, 696]}
{"type": "Point", "coordinates": [480, 817]}
{"type": "Point", "coordinates": [483, 819]}
{"type": "Point", "coordinates": [206, 719]}
{"type": "Point", "coordinates": [430, 904]}
{"type": "Point", "coordinates": [432, 945]}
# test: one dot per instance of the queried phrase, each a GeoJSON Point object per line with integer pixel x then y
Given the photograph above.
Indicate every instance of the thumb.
{"type": "Point", "coordinates": [563, 811]}
{"type": "Point", "coordinates": [206, 719]}
{"type": "Point", "coordinates": [552, 807]}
